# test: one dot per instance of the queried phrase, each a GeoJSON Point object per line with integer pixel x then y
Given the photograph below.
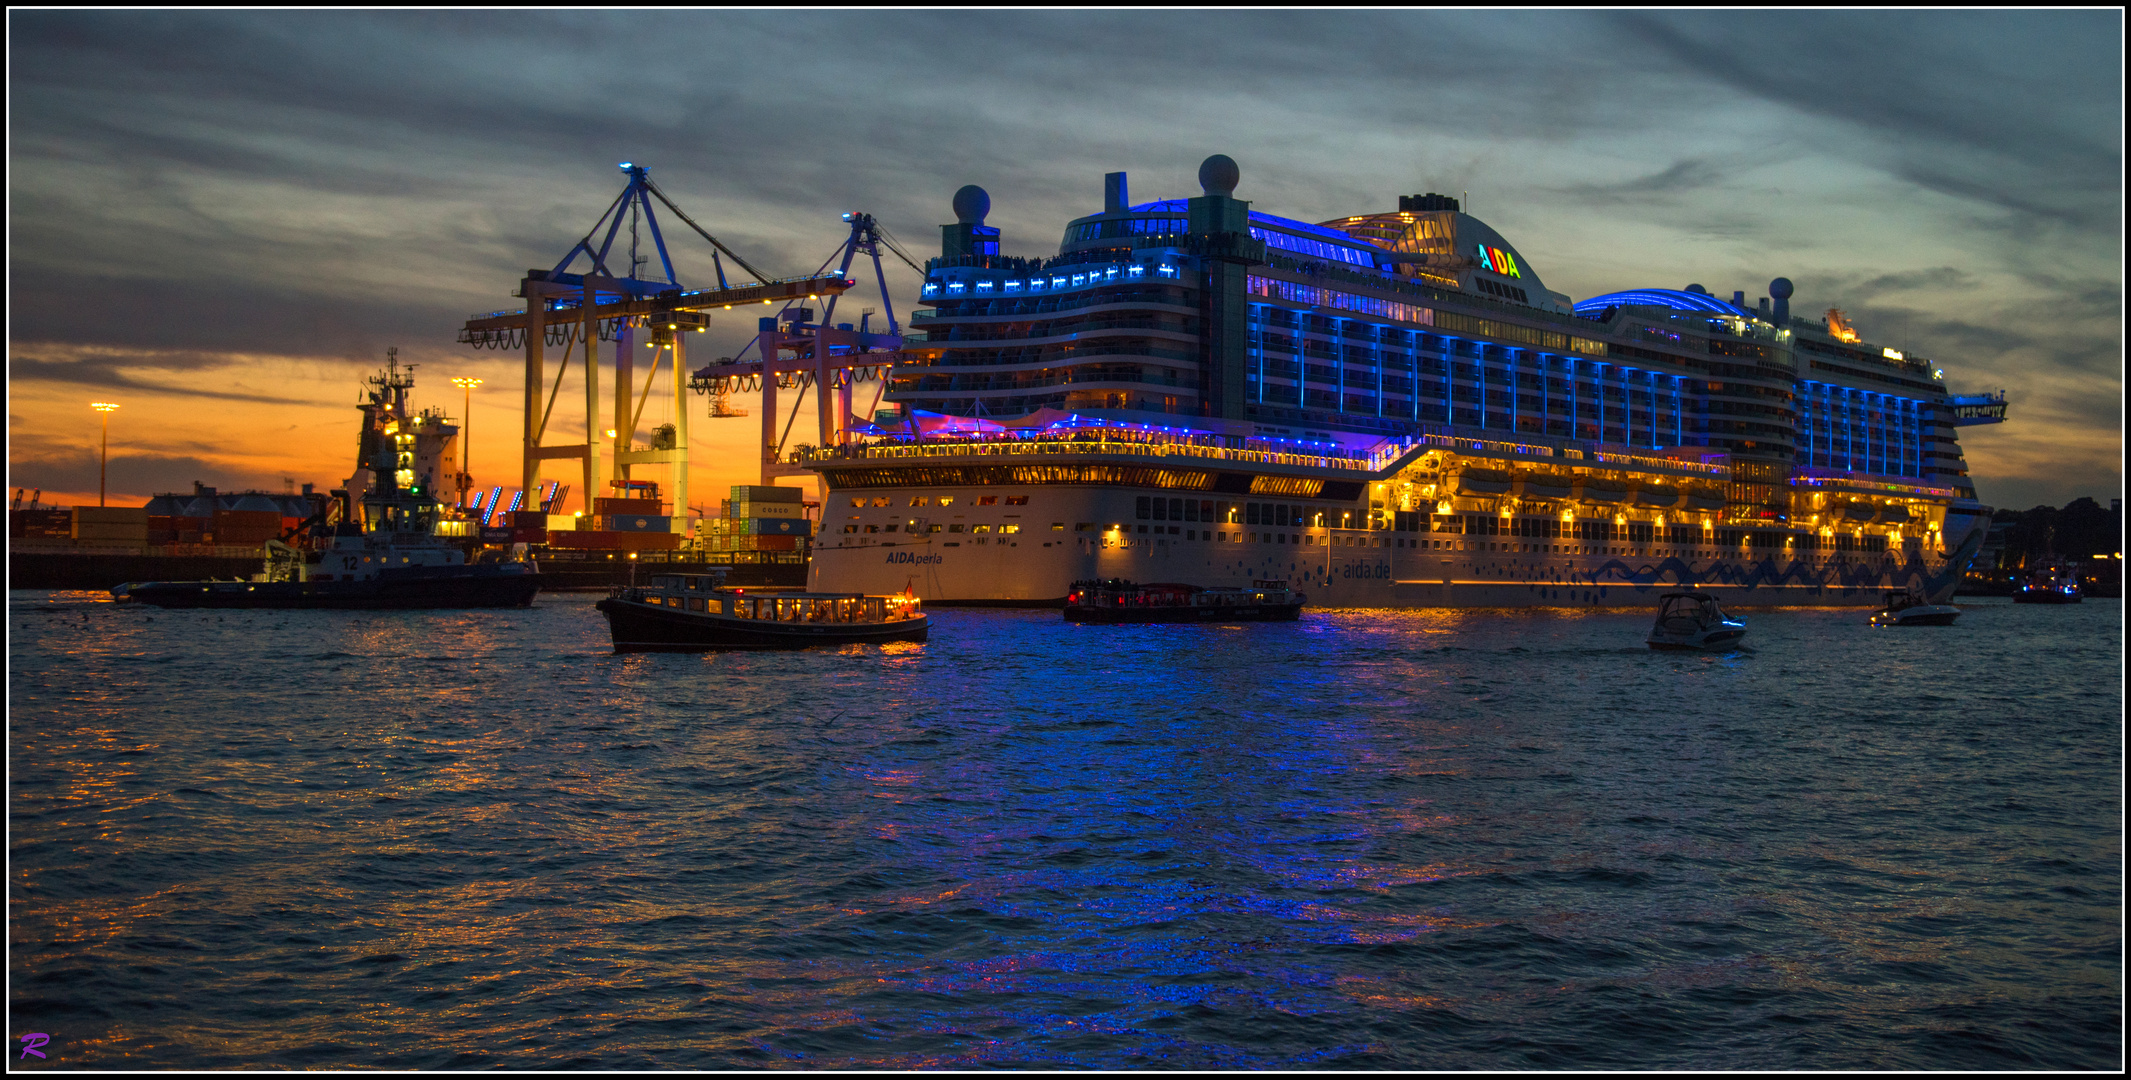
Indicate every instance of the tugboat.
{"type": "Point", "coordinates": [1692, 620]}
{"type": "Point", "coordinates": [694, 613]}
{"type": "Point", "coordinates": [1118, 601]}
{"type": "Point", "coordinates": [2049, 585]}
{"type": "Point", "coordinates": [1912, 609]}
{"type": "Point", "coordinates": [387, 555]}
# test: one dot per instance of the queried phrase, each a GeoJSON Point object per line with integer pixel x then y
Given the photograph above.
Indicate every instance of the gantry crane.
{"type": "Point", "coordinates": [793, 352]}
{"type": "Point", "coordinates": [575, 311]}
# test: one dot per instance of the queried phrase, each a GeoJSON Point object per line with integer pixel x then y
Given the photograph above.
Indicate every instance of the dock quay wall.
{"type": "Point", "coordinates": [105, 570]}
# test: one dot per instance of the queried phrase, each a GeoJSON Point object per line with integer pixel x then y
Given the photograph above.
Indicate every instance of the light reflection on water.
{"type": "Point", "coordinates": [1370, 839]}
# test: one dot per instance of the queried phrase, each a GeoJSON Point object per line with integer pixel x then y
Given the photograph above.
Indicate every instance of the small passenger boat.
{"type": "Point", "coordinates": [1910, 609]}
{"type": "Point", "coordinates": [1119, 601]}
{"type": "Point", "coordinates": [1692, 620]}
{"type": "Point", "coordinates": [693, 613]}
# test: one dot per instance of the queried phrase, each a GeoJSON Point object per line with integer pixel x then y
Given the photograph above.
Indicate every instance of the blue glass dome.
{"type": "Point", "coordinates": [1677, 299]}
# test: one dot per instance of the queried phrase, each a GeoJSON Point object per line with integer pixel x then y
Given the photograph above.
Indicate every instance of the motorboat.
{"type": "Point", "coordinates": [2049, 585]}
{"type": "Point", "coordinates": [695, 613]}
{"type": "Point", "coordinates": [1693, 620]}
{"type": "Point", "coordinates": [1911, 609]}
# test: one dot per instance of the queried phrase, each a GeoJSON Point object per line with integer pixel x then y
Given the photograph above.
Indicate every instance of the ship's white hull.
{"type": "Point", "coordinates": [1341, 567]}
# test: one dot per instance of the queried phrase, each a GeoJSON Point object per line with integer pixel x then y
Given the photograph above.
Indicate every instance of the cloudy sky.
{"type": "Point", "coordinates": [221, 220]}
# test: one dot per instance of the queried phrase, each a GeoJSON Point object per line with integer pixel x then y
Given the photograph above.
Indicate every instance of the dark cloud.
{"type": "Point", "coordinates": [112, 373]}
{"type": "Point", "coordinates": [134, 471]}
{"type": "Point", "coordinates": [204, 317]}
{"type": "Point", "coordinates": [1938, 277]}
{"type": "Point", "coordinates": [1687, 174]}
{"type": "Point", "coordinates": [2009, 108]}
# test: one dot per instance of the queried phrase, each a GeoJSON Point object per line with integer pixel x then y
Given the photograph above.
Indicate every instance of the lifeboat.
{"type": "Point", "coordinates": [1544, 486]}
{"type": "Point", "coordinates": [1658, 496]}
{"type": "Point", "coordinates": [1600, 489]}
{"type": "Point", "coordinates": [1484, 482]}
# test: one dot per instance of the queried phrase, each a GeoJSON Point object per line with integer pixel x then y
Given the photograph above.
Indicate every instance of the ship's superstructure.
{"type": "Point", "coordinates": [399, 453]}
{"type": "Point", "coordinates": [1390, 409]}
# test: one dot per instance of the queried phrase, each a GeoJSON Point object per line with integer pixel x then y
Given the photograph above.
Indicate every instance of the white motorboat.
{"type": "Point", "coordinates": [1910, 609]}
{"type": "Point", "coordinates": [1692, 620]}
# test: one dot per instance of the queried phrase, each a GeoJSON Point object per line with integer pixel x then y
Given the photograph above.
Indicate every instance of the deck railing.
{"type": "Point", "coordinates": [1026, 447]}
{"type": "Point", "coordinates": [1105, 442]}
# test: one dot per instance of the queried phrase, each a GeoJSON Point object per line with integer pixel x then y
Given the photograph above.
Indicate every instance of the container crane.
{"type": "Point", "coordinates": [576, 310]}
{"type": "Point", "coordinates": [804, 355]}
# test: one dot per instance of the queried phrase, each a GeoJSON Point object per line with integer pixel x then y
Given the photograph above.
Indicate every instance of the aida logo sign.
{"type": "Point", "coordinates": [1499, 261]}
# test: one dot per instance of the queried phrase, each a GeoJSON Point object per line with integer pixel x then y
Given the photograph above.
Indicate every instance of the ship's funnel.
{"type": "Point", "coordinates": [1115, 200]}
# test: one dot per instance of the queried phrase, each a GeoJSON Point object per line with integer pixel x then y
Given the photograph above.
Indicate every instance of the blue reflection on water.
{"type": "Point", "coordinates": [1365, 840]}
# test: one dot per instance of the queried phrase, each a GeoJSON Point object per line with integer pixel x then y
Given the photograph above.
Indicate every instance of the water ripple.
{"type": "Point", "coordinates": [1368, 840]}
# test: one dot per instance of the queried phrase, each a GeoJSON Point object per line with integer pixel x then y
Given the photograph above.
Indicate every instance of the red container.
{"type": "Point", "coordinates": [582, 538]}
{"type": "Point", "coordinates": [630, 507]}
{"type": "Point", "coordinates": [254, 519]}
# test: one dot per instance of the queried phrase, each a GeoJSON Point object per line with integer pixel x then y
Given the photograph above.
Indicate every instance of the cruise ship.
{"type": "Point", "coordinates": [1385, 410]}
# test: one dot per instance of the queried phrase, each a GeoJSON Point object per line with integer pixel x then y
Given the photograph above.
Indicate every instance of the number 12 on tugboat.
{"type": "Point", "coordinates": [692, 613]}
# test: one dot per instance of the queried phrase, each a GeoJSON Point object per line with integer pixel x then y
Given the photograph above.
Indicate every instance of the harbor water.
{"type": "Point", "coordinates": [1364, 840]}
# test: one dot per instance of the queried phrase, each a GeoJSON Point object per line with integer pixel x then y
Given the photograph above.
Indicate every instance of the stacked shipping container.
{"type": "Point", "coordinates": [638, 522]}
{"type": "Point", "coordinates": [761, 519]}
